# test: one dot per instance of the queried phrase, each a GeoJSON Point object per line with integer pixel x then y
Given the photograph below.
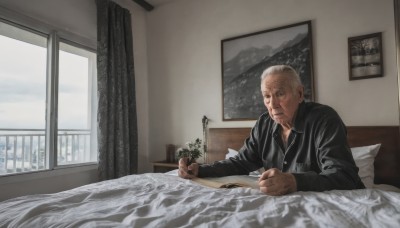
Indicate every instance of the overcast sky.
{"type": "Point", "coordinates": [23, 87]}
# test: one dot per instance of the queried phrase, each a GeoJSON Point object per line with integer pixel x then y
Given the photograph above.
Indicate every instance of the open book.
{"type": "Point", "coordinates": [229, 182]}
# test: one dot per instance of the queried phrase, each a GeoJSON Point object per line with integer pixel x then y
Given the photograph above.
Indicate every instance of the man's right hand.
{"type": "Point", "coordinates": [187, 172]}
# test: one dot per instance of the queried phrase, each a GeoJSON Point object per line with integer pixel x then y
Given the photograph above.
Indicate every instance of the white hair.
{"type": "Point", "coordinates": [283, 69]}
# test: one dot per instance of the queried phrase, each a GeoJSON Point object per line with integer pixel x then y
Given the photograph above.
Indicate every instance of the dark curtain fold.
{"type": "Point", "coordinates": [117, 125]}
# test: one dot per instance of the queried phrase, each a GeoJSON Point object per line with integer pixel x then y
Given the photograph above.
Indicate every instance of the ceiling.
{"type": "Point", "coordinates": [156, 3]}
{"type": "Point", "coordinates": [149, 5]}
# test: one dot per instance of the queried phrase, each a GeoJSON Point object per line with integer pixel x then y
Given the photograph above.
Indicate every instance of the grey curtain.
{"type": "Point", "coordinates": [117, 125]}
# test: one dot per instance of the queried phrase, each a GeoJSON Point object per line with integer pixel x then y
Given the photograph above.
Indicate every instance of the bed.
{"type": "Point", "coordinates": [165, 200]}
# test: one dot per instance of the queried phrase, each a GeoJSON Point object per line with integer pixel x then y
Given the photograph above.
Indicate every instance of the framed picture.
{"type": "Point", "coordinates": [245, 57]}
{"type": "Point", "coordinates": [365, 56]}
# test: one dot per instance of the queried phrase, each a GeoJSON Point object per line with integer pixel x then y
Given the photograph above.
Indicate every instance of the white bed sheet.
{"type": "Point", "coordinates": [159, 200]}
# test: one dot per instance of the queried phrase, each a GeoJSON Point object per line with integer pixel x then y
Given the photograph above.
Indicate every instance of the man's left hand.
{"type": "Point", "coordinates": [275, 183]}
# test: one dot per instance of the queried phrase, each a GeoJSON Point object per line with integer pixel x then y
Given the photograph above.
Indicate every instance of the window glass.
{"type": "Point", "coordinates": [76, 91]}
{"type": "Point", "coordinates": [23, 59]}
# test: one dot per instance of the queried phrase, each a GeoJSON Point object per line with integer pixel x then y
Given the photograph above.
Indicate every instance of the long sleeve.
{"type": "Point", "coordinates": [338, 169]}
{"type": "Point", "coordinates": [246, 161]}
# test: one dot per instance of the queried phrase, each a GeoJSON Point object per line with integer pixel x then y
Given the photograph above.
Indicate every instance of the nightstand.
{"type": "Point", "coordinates": [164, 166]}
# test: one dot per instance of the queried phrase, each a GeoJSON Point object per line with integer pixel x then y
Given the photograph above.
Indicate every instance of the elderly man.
{"type": "Point", "coordinates": [301, 145]}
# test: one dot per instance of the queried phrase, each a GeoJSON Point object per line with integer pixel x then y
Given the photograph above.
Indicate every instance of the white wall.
{"type": "Point", "coordinates": [184, 57]}
{"type": "Point", "coordinates": [72, 16]}
{"type": "Point", "coordinates": [46, 182]}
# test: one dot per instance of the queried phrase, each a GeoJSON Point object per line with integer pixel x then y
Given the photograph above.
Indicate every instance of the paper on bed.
{"type": "Point", "coordinates": [229, 181]}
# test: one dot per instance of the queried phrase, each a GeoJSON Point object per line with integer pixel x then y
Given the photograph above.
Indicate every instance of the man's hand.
{"type": "Point", "coordinates": [275, 183]}
{"type": "Point", "coordinates": [187, 172]}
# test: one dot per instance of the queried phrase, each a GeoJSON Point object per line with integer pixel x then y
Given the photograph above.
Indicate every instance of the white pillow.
{"type": "Point", "coordinates": [364, 157]}
{"type": "Point", "coordinates": [231, 153]}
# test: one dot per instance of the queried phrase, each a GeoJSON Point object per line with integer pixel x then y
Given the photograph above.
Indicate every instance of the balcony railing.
{"type": "Point", "coordinates": [24, 150]}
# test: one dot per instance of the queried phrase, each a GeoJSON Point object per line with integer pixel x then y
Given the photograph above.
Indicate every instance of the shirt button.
{"type": "Point", "coordinates": [284, 162]}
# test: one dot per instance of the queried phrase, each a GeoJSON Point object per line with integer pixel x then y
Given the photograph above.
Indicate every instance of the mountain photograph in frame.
{"type": "Point", "coordinates": [245, 57]}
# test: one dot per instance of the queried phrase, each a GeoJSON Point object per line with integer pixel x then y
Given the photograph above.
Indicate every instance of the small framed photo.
{"type": "Point", "coordinates": [365, 56]}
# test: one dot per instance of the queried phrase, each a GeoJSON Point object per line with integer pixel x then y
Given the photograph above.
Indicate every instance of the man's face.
{"type": "Point", "coordinates": [280, 99]}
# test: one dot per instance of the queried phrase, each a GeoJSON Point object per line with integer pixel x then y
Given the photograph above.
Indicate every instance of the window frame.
{"type": "Point", "coordinates": [55, 134]}
{"type": "Point", "coordinates": [54, 36]}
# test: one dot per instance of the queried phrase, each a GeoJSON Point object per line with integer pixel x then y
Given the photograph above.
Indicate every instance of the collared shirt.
{"type": "Point", "coordinates": [317, 153]}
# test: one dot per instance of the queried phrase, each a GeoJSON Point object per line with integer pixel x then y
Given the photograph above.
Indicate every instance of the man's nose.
{"type": "Point", "coordinates": [274, 102]}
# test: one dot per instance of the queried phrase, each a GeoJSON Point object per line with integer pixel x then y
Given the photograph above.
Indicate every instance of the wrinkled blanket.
{"type": "Point", "coordinates": [160, 200]}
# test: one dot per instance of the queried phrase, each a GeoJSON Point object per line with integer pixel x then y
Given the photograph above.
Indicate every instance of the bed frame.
{"type": "Point", "coordinates": [387, 162]}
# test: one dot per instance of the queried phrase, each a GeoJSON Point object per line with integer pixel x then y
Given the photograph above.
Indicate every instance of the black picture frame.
{"type": "Point", "coordinates": [245, 57]}
{"type": "Point", "coordinates": [365, 56]}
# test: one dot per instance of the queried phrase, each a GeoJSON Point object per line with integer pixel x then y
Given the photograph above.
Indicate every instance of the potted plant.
{"type": "Point", "coordinates": [192, 152]}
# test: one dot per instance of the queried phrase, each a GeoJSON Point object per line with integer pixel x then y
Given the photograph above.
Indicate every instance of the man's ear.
{"type": "Point", "coordinates": [300, 92]}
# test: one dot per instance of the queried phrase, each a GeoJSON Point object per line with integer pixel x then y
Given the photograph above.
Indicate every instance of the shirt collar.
{"type": "Point", "coordinates": [298, 125]}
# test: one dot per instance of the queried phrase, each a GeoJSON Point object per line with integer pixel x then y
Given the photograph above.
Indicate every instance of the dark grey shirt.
{"type": "Point", "coordinates": [317, 152]}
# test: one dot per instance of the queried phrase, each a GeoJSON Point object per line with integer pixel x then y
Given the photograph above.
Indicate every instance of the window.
{"type": "Point", "coordinates": [46, 115]}
{"type": "Point", "coordinates": [75, 93]}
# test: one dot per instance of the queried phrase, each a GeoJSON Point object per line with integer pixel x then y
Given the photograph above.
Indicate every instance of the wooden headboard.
{"type": "Point", "coordinates": [387, 162]}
